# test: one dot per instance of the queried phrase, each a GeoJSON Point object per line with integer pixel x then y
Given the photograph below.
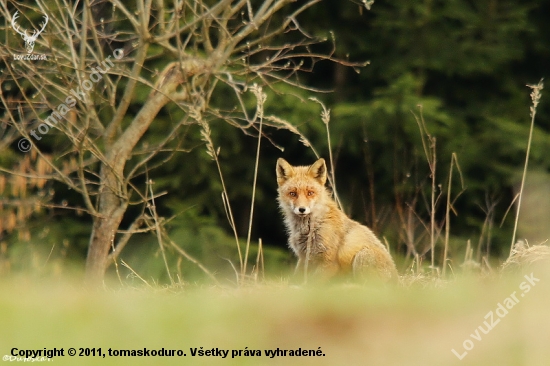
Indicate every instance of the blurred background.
{"type": "Point", "coordinates": [445, 89]}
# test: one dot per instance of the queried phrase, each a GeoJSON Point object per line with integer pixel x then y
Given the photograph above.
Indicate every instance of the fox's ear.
{"type": "Point", "coordinates": [284, 171]}
{"type": "Point", "coordinates": [318, 171]}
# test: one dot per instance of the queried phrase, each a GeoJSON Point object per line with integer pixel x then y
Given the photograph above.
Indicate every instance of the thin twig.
{"type": "Point", "coordinates": [153, 211]}
{"type": "Point", "coordinates": [135, 273]}
{"type": "Point", "coordinates": [189, 257]}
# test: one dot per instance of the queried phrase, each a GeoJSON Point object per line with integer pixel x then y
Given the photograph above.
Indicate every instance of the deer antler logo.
{"type": "Point", "coordinates": [29, 40]}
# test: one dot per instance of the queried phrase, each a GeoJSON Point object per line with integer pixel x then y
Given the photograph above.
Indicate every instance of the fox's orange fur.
{"type": "Point", "coordinates": [337, 243]}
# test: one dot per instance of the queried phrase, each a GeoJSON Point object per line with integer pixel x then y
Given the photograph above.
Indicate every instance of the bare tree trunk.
{"type": "Point", "coordinates": [112, 199]}
{"type": "Point", "coordinates": [105, 226]}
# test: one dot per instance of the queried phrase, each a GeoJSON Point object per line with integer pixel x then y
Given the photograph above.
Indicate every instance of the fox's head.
{"type": "Point", "coordinates": [301, 188]}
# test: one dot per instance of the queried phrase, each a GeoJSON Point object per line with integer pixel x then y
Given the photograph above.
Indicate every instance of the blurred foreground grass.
{"type": "Point", "coordinates": [376, 325]}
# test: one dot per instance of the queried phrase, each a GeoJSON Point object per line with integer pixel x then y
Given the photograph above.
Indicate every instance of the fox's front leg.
{"type": "Point", "coordinates": [304, 268]}
{"type": "Point", "coordinates": [299, 275]}
{"type": "Point", "coordinates": [298, 265]}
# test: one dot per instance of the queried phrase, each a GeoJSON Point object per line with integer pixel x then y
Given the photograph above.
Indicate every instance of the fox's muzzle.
{"type": "Point", "coordinates": [301, 210]}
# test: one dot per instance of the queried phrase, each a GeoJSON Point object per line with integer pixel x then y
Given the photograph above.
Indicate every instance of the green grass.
{"type": "Point", "coordinates": [353, 325]}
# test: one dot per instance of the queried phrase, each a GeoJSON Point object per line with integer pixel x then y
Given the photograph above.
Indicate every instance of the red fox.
{"type": "Point", "coordinates": [336, 243]}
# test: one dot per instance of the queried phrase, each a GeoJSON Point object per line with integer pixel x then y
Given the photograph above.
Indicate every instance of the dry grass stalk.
{"type": "Point", "coordinates": [535, 98]}
{"type": "Point", "coordinates": [429, 145]}
{"type": "Point", "coordinates": [196, 114]}
{"type": "Point", "coordinates": [325, 117]}
{"type": "Point", "coordinates": [454, 161]}
{"type": "Point", "coordinates": [259, 262]}
{"type": "Point", "coordinates": [469, 263]}
{"type": "Point", "coordinates": [260, 101]}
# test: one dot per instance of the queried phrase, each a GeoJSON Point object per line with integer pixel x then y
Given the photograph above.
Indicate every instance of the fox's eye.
{"type": "Point", "coordinates": [310, 193]}
{"type": "Point", "coordinates": [292, 194]}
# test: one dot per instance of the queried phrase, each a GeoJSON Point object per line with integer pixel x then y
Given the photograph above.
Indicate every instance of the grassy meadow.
{"type": "Point", "coordinates": [419, 323]}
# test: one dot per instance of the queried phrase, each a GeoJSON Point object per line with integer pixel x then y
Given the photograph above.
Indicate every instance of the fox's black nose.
{"type": "Point", "coordinates": [302, 209]}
